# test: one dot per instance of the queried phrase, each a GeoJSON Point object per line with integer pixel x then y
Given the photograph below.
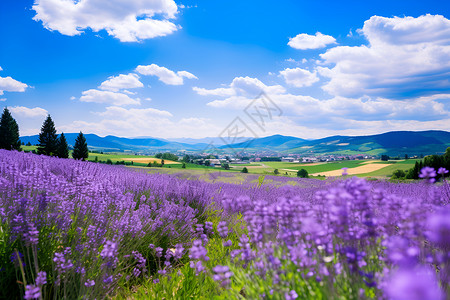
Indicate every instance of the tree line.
{"type": "Point", "coordinates": [48, 142]}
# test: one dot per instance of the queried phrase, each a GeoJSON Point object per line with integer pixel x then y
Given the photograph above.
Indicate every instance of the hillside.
{"type": "Point", "coordinates": [390, 143]}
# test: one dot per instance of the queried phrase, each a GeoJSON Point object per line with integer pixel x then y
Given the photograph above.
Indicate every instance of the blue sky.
{"type": "Point", "coordinates": [189, 68]}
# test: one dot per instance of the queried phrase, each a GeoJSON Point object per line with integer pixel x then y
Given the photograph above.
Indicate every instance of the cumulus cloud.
{"type": "Point", "coordinates": [8, 84]}
{"type": "Point", "coordinates": [121, 82]}
{"type": "Point", "coordinates": [165, 75]}
{"type": "Point", "coordinates": [305, 41]}
{"type": "Point", "coordinates": [406, 58]}
{"type": "Point", "coordinates": [143, 122]}
{"type": "Point", "coordinates": [299, 77]}
{"type": "Point", "coordinates": [138, 113]}
{"type": "Point", "coordinates": [129, 21]}
{"type": "Point", "coordinates": [22, 111]}
{"type": "Point", "coordinates": [242, 87]}
{"type": "Point", "coordinates": [108, 97]}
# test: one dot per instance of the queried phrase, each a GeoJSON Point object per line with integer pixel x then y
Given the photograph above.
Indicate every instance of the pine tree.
{"type": "Point", "coordinates": [9, 132]}
{"type": "Point", "coordinates": [48, 140]}
{"type": "Point", "coordinates": [63, 148]}
{"type": "Point", "coordinates": [80, 150]}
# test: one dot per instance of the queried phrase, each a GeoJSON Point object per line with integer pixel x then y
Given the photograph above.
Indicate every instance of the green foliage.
{"type": "Point", "coordinates": [244, 170]}
{"type": "Point", "coordinates": [384, 157]}
{"type": "Point", "coordinates": [226, 166]}
{"type": "Point", "coordinates": [167, 156]}
{"type": "Point", "coordinates": [302, 173]}
{"type": "Point", "coordinates": [62, 149]}
{"type": "Point", "coordinates": [48, 140]}
{"type": "Point", "coordinates": [276, 172]}
{"type": "Point", "coordinates": [398, 174]}
{"type": "Point", "coordinates": [433, 161]}
{"type": "Point", "coordinates": [9, 132]}
{"type": "Point", "coordinates": [80, 150]}
{"type": "Point", "coordinates": [183, 166]}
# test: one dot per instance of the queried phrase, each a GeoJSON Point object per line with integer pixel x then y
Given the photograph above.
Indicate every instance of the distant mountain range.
{"type": "Point", "coordinates": [390, 143]}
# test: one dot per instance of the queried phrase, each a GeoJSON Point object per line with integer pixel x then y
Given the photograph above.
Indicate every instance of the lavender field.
{"type": "Point", "coordinates": [73, 229]}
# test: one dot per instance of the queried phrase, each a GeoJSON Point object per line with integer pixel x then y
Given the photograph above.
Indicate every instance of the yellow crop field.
{"type": "Point", "coordinates": [365, 168]}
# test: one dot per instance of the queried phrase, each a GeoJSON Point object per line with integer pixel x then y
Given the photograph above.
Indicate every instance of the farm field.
{"type": "Point", "coordinates": [74, 229]}
{"type": "Point", "coordinates": [361, 168]}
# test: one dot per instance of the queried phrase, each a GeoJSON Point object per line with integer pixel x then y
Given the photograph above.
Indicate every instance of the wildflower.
{"type": "Point", "coordinates": [89, 283]}
{"type": "Point", "coordinates": [227, 243]}
{"type": "Point", "coordinates": [198, 266]}
{"type": "Point", "coordinates": [439, 227]}
{"type": "Point", "coordinates": [418, 284]}
{"type": "Point", "coordinates": [109, 250]}
{"type": "Point", "coordinates": [41, 278]}
{"type": "Point", "coordinates": [344, 173]}
{"type": "Point", "coordinates": [198, 251]}
{"type": "Point", "coordinates": [292, 295]}
{"type": "Point", "coordinates": [442, 171]}
{"type": "Point", "coordinates": [158, 251]}
{"type": "Point", "coordinates": [178, 254]}
{"type": "Point", "coordinates": [428, 174]}
{"type": "Point", "coordinates": [32, 292]}
{"type": "Point", "coordinates": [222, 274]}
{"type": "Point", "coordinates": [222, 228]}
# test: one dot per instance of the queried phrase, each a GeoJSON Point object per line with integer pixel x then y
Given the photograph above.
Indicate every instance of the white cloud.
{"type": "Point", "coordinates": [143, 122]}
{"type": "Point", "coordinates": [242, 86]}
{"type": "Point", "coordinates": [221, 92]}
{"type": "Point", "coordinates": [137, 113]}
{"type": "Point", "coordinates": [299, 77]}
{"type": "Point", "coordinates": [22, 111]}
{"type": "Point", "coordinates": [8, 84]}
{"type": "Point", "coordinates": [305, 41]}
{"type": "Point", "coordinates": [121, 82]}
{"type": "Point", "coordinates": [165, 75]}
{"type": "Point", "coordinates": [107, 97]}
{"type": "Point", "coordinates": [406, 57]}
{"type": "Point", "coordinates": [129, 21]}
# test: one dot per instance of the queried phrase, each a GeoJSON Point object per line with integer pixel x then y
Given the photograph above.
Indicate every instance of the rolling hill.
{"type": "Point", "coordinates": [391, 143]}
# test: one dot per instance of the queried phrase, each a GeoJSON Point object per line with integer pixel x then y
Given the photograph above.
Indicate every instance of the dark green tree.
{"type": "Point", "coordinates": [302, 173]}
{"type": "Point", "coordinates": [244, 170]}
{"type": "Point", "coordinates": [398, 174]}
{"type": "Point", "coordinates": [48, 140]}
{"type": "Point", "coordinates": [80, 149]}
{"type": "Point", "coordinates": [63, 148]}
{"type": "Point", "coordinates": [9, 132]}
{"type": "Point", "coordinates": [276, 172]}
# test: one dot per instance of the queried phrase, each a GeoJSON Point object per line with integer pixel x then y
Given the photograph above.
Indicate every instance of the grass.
{"type": "Point", "coordinates": [329, 166]}
{"type": "Point", "coordinates": [404, 165]}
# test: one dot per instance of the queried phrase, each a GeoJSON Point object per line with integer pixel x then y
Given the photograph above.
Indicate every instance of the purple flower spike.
{"type": "Point", "coordinates": [89, 283]}
{"type": "Point", "coordinates": [32, 292]}
{"type": "Point", "coordinates": [292, 295]}
{"type": "Point", "coordinates": [428, 174]}
{"type": "Point", "coordinates": [222, 274]}
{"type": "Point", "coordinates": [417, 284]}
{"type": "Point", "coordinates": [442, 171]}
{"type": "Point", "coordinates": [109, 250]}
{"type": "Point", "coordinates": [41, 278]}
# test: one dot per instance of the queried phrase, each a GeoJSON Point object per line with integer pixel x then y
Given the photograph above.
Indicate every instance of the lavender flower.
{"type": "Point", "coordinates": [198, 251]}
{"type": "Point", "coordinates": [32, 292]}
{"type": "Point", "coordinates": [442, 171]}
{"type": "Point", "coordinates": [222, 274]}
{"type": "Point", "coordinates": [292, 295]}
{"type": "Point", "coordinates": [89, 283]}
{"type": "Point", "coordinates": [428, 174]}
{"type": "Point", "coordinates": [109, 250]}
{"type": "Point", "coordinates": [41, 278]}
